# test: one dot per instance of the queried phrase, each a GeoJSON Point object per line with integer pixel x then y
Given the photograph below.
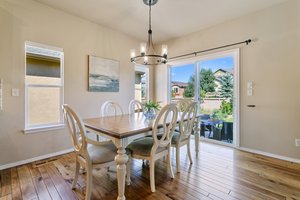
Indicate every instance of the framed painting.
{"type": "Point", "coordinates": [103, 75]}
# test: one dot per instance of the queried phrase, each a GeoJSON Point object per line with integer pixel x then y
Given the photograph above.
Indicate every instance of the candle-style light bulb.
{"type": "Point", "coordinates": [132, 53]}
{"type": "Point", "coordinates": [145, 59]}
{"type": "Point", "coordinates": [143, 48]}
{"type": "Point", "coordinates": [164, 50]}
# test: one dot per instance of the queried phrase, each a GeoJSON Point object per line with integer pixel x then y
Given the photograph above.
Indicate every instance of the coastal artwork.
{"type": "Point", "coordinates": [103, 75]}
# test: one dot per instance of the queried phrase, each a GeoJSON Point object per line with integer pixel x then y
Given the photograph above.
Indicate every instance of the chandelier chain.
{"type": "Point", "coordinates": [150, 15]}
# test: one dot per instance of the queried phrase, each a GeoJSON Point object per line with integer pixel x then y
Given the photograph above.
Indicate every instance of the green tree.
{"type": "Point", "coordinates": [189, 90]}
{"type": "Point", "coordinates": [227, 107]}
{"type": "Point", "coordinates": [202, 94]}
{"type": "Point", "coordinates": [207, 84]}
{"type": "Point", "coordinates": [207, 80]}
{"type": "Point", "coordinates": [226, 90]}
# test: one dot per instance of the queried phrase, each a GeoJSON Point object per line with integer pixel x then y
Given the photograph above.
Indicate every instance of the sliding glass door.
{"type": "Point", "coordinates": [217, 84]}
{"type": "Point", "coordinates": [212, 81]}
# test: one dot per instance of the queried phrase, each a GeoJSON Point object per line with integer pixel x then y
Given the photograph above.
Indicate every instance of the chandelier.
{"type": "Point", "coordinates": [147, 52]}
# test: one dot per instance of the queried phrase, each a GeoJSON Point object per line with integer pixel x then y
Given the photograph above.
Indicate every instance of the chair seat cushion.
{"type": "Point", "coordinates": [176, 137]}
{"type": "Point", "coordinates": [103, 153]}
{"type": "Point", "coordinates": [143, 146]}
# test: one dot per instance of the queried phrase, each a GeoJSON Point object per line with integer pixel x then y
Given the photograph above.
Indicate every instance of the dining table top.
{"type": "Point", "coordinates": [120, 126]}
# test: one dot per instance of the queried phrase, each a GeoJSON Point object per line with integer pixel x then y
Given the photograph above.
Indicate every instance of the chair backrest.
{"type": "Point", "coordinates": [109, 108]}
{"type": "Point", "coordinates": [183, 104]}
{"type": "Point", "coordinates": [187, 121]}
{"type": "Point", "coordinates": [76, 128]}
{"type": "Point", "coordinates": [134, 106]}
{"type": "Point", "coordinates": [167, 118]}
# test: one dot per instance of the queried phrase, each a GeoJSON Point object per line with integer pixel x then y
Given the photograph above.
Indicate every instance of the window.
{"type": "Point", "coordinates": [141, 84]}
{"type": "Point", "coordinates": [43, 87]}
{"type": "Point", "coordinates": [175, 90]}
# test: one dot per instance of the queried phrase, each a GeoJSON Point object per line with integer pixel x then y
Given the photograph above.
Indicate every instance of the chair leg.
{"type": "Point", "coordinates": [178, 159]}
{"type": "Point", "coordinates": [128, 166]}
{"type": "Point", "coordinates": [89, 183]}
{"type": "Point", "coordinates": [152, 174]}
{"type": "Point", "coordinates": [189, 152]}
{"type": "Point", "coordinates": [76, 174]}
{"type": "Point", "coordinates": [170, 164]}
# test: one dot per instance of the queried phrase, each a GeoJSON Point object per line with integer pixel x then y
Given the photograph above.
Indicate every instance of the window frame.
{"type": "Point", "coordinates": [47, 126]}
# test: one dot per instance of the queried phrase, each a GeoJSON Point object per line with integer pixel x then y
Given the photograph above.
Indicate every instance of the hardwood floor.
{"type": "Point", "coordinates": [218, 173]}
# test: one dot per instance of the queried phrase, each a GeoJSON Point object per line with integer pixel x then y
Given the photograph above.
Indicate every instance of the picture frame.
{"type": "Point", "coordinates": [104, 75]}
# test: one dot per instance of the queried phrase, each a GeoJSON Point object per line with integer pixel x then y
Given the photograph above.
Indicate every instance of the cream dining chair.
{"type": "Point", "coordinates": [100, 154]}
{"type": "Point", "coordinates": [135, 105]}
{"type": "Point", "coordinates": [110, 108]}
{"type": "Point", "coordinates": [154, 148]}
{"type": "Point", "coordinates": [183, 135]}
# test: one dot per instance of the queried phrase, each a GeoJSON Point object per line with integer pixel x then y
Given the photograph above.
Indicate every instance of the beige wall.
{"type": "Point", "coordinates": [272, 63]}
{"type": "Point", "coordinates": [26, 20]}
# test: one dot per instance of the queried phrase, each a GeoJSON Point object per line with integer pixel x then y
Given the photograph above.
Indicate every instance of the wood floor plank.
{"type": "Point", "coordinates": [61, 186]}
{"type": "Point", "coordinates": [39, 184]}
{"type": "Point", "coordinates": [48, 182]}
{"type": "Point", "coordinates": [5, 183]}
{"type": "Point", "coordinates": [26, 184]}
{"type": "Point", "coordinates": [15, 185]}
{"type": "Point", "coordinates": [7, 197]}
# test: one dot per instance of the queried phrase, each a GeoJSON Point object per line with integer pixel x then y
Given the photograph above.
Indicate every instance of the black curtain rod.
{"type": "Point", "coordinates": [221, 47]}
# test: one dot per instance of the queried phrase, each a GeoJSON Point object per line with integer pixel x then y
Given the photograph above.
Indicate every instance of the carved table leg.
{"type": "Point", "coordinates": [121, 160]}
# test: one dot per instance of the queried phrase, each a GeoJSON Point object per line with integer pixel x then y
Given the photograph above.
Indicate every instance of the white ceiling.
{"type": "Point", "coordinates": [170, 18]}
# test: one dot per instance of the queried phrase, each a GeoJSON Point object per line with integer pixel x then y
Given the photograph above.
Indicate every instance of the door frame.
{"type": "Point", "coordinates": [236, 93]}
{"type": "Point", "coordinates": [145, 69]}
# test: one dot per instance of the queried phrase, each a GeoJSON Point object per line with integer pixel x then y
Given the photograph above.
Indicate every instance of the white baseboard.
{"type": "Point", "coordinates": [22, 162]}
{"type": "Point", "coordinates": [294, 160]}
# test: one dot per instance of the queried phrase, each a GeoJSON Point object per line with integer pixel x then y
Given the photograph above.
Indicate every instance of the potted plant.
{"type": "Point", "coordinates": [150, 109]}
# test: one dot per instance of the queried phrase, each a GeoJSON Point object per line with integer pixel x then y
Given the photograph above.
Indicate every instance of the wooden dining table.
{"type": "Point", "coordinates": [122, 129]}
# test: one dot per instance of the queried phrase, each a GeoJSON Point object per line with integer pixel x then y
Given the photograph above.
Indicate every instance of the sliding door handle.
{"type": "Point", "coordinates": [251, 106]}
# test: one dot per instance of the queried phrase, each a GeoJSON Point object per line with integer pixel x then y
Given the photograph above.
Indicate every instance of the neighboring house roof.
{"type": "Point", "coordinates": [179, 84]}
{"type": "Point", "coordinates": [224, 71]}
